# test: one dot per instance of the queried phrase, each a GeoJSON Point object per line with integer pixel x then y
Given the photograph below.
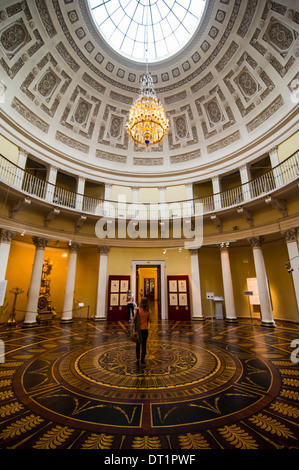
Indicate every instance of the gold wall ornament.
{"type": "Point", "coordinates": [147, 123]}
{"type": "Point", "coordinates": [46, 312]}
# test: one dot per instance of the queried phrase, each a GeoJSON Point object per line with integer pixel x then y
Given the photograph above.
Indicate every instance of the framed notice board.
{"type": "Point", "coordinates": [118, 287]}
{"type": "Point", "coordinates": [178, 297]}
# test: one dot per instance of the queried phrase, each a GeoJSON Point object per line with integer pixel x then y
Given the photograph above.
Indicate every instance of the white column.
{"type": "Point", "coordinates": [5, 242]}
{"type": "Point", "coordinates": [245, 178]}
{"type": "Point", "coordinates": [162, 191]}
{"type": "Point", "coordinates": [107, 199]}
{"type": "Point", "coordinates": [67, 313]}
{"type": "Point", "coordinates": [292, 246]}
{"type": "Point", "coordinates": [216, 192]}
{"type": "Point", "coordinates": [80, 193]}
{"type": "Point", "coordinates": [135, 191]}
{"type": "Point", "coordinates": [273, 154]}
{"type": "Point", "coordinates": [34, 289]}
{"type": "Point", "coordinates": [227, 284]}
{"type": "Point", "coordinates": [51, 182]}
{"type": "Point", "coordinates": [262, 282]}
{"type": "Point", "coordinates": [19, 177]}
{"type": "Point", "coordinates": [102, 284]}
{"type": "Point", "coordinates": [190, 205]}
{"type": "Point", "coordinates": [195, 286]}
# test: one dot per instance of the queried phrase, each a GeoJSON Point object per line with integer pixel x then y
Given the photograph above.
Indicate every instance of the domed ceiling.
{"type": "Point", "coordinates": [228, 94]}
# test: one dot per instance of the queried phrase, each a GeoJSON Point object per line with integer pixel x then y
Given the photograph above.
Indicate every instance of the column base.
{"type": "Point", "coordinates": [29, 324]}
{"type": "Point", "coordinates": [268, 324]}
{"type": "Point", "coordinates": [198, 318]}
{"type": "Point", "coordinates": [231, 320]}
{"type": "Point", "coordinates": [66, 320]}
{"type": "Point", "coordinates": [98, 318]}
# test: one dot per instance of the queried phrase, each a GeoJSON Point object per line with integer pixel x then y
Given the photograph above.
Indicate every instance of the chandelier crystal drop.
{"type": "Point", "coordinates": [147, 123]}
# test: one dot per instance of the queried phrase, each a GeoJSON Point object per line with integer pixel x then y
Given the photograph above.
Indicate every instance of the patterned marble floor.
{"type": "Point", "coordinates": [205, 385]}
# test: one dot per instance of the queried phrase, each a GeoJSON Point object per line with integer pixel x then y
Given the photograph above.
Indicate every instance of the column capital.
{"type": "Point", "coordinates": [40, 243]}
{"type": "Point", "coordinates": [74, 247]}
{"type": "Point", "coordinates": [103, 250]}
{"type": "Point", "coordinates": [243, 167]}
{"type": "Point", "coordinates": [6, 236]}
{"type": "Point", "coordinates": [273, 150]}
{"type": "Point", "coordinates": [290, 235]}
{"type": "Point", "coordinates": [256, 242]}
{"type": "Point", "coordinates": [23, 152]}
{"type": "Point", "coordinates": [193, 251]}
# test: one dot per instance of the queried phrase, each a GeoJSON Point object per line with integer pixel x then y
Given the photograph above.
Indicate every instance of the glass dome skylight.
{"type": "Point", "coordinates": [147, 30]}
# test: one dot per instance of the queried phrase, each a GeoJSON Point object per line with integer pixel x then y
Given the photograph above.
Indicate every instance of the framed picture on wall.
{"type": "Point", "coordinates": [173, 286]}
{"type": "Point", "coordinates": [118, 286]}
{"type": "Point", "coordinates": [114, 286]}
{"type": "Point", "coordinates": [113, 300]}
{"type": "Point", "coordinates": [123, 299]}
{"type": "Point", "coordinates": [178, 297]}
{"type": "Point", "coordinates": [124, 286]}
{"type": "Point", "coordinates": [182, 285]}
{"type": "Point", "coordinates": [183, 299]}
{"type": "Point", "coordinates": [173, 299]}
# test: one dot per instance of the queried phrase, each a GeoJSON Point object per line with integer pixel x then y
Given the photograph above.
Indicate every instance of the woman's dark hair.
{"type": "Point", "coordinates": [144, 304]}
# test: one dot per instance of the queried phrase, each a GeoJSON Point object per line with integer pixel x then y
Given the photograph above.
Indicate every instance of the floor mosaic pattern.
{"type": "Point", "coordinates": [205, 385]}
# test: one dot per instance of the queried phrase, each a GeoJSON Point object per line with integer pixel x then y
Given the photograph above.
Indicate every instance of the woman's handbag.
{"type": "Point", "coordinates": [135, 335]}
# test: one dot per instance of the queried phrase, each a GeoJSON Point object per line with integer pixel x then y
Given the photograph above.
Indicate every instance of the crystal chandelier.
{"type": "Point", "coordinates": [147, 123]}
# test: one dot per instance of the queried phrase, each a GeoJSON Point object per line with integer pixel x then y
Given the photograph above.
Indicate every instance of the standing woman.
{"type": "Point", "coordinates": [131, 304]}
{"type": "Point", "coordinates": [144, 318]}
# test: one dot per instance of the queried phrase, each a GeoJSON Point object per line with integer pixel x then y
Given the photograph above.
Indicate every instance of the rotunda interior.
{"type": "Point", "coordinates": [204, 222]}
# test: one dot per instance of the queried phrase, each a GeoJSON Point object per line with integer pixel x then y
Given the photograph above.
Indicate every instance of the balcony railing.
{"type": "Point", "coordinates": [276, 178]}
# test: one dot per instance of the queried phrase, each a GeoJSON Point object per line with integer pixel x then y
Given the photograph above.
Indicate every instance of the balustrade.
{"type": "Point", "coordinates": [279, 176]}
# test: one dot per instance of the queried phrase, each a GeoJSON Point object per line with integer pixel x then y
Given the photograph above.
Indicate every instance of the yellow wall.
{"type": "Point", "coordinates": [119, 262]}
{"type": "Point", "coordinates": [149, 195]}
{"type": "Point", "coordinates": [280, 281]}
{"type": "Point", "coordinates": [175, 193]}
{"type": "Point", "coordinates": [288, 147]}
{"type": "Point", "coordinates": [86, 283]}
{"type": "Point", "coordinates": [9, 150]}
{"type": "Point", "coordinates": [210, 277]}
{"type": "Point", "coordinates": [122, 191]}
{"type": "Point", "coordinates": [18, 274]}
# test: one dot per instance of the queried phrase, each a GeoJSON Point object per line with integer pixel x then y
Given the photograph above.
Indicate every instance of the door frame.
{"type": "Point", "coordinates": [152, 262]}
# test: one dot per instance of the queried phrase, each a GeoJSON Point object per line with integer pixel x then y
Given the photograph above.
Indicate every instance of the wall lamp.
{"type": "Point", "coordinates": [288, 264]}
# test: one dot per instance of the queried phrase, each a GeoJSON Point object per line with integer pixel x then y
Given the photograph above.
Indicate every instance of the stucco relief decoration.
{"type": "Point", "coordinates": [48, 84]}
{"type": "Point", "coordinates": [214, 112]}
{"type": "Point", "coordinates": [113, 132]}
{"type": "Point", "coordinates": [116, 125]}
{"type": "Point", "coordinates": [247, 84]}
{"type": "Point", "coordinates": [82, 112]}
{"type": "Point", "coordinates": [279, 36]}
{"type": "Point", "coordinates": [181, 128]}
{"type": "Point", "coordinates": [14, 37]}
